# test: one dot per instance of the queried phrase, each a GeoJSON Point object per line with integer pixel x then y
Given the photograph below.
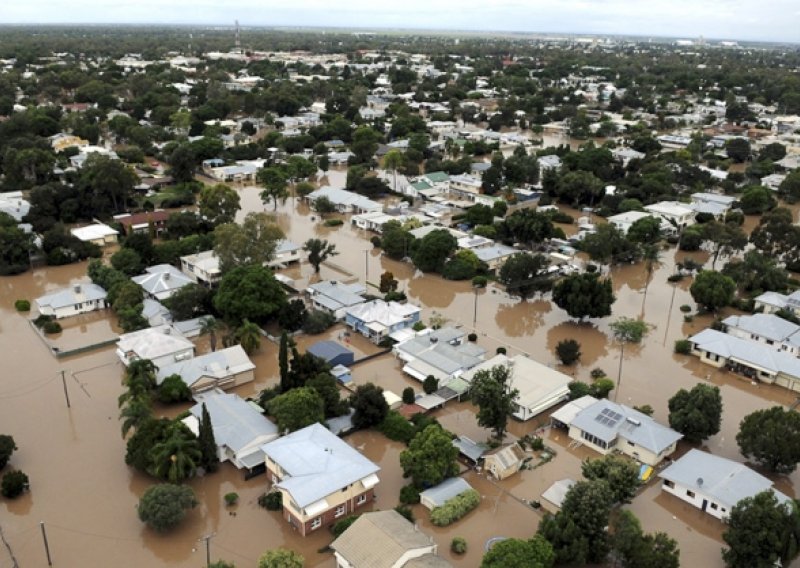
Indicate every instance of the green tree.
{"type": "Point", "coordinates": [725, 238]}
{"type": "Point", "coordinates": [762, 533]}
{"type": "Point", "coordinates": [637, 549]}
{"type": "Point", "coordinates": [393, 160]}
{"type": "Point", "coordinates": [432, 251]}
{"type": "Point", "coordinates": [7, 448]}
{"type": "Point", "coordinates": [188, 302]}
{"type": "Point", "coordinates": [210, 326]}
{"type": "Point", "coordinates": [15, 247]}
{"type": "Point", "coordinates": [491, 392]}
{"type": "Point", "coordinates": [248, 335]}
{"type": "Point", "coordinates": [517, 553]}
{"type": "Point", "coordinates": [771, 437]}
{"type": "Point", "coordinates": [712, 290]}
{"type": "Point", "coordinates": [463, 265]}
{"type": "Point", "coordinates": [524, 275]}
{"type": "Point", "coordinates": [274, 180]}
{"type": "Point", "coordinates": [328, 390]}
{"type": "Point", "coordinates": [252, 242]}
{"type": "Point", "coordinates": [127, 261]}
{"type": "Point", "coordinates": [281, 558]}
{"type": "Point", "coordinates": [369, 405]}
{"type": "Point", "coordinates": [568, 351]}
{"type": "Point", "coordinates": [430, 457]}
{"type": "Point", "coordinates": [176, 458]}
{"type": "Point", "coordinates": [296, 409]}
{"type": "Point", "coordinates": [756, 200]}
{"type": "Point", "coordinates": [300, 168]}
{"type": "Point", "coordinates": [757, 272]}
{"type": "Point", "coordinates": [209, 458]}
{"type": "Point", "coordinates": [219, 204]}
{"type": "Point", "coordinates": [696, 413]}
{"type": "Point", "coordinates": [607, 245]}
{"type": "Point", "coordinates": [164, 506]}
{"type": "Point", "coordinates": [319, 251]}
{"type": "Point", "coordinates": [365, 143]}
{"type": "Point", "coordinates": [646, 230]}
{"type": "Point", "coordinates": [621, 474]}
{"type": "Point", "coordinates": [430, 384]}
{"type": "Point", "coordinates": [627, 330]}
{"type": "Point", "coordinates": [584, 295]}
{"type": "Point", "coordinates": [249, 292]}
{"type": "Point", "coordinates": [14, 484]}
{"type": "Point", "coordinates": [109, 182]}
{"type": "Point", "coordinates": [396, 241]}
{"type": "Point", "coordinates": [738, 149]}
{"type": "Point", "coordinates": [292, 315]}
{"type": "Point", "coordinates": [283, 362]}
{"type": "Point", "coordinates": [323, 206]}
{"type": "Point", "coordinates": [174, 389]}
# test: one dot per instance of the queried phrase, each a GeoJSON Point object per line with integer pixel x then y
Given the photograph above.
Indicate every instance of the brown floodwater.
{"type": "Point", "coordinates": [86, 495]}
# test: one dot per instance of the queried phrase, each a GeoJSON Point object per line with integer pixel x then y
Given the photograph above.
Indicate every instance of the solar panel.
{"type": "Point", "coordinates": [608, 417]}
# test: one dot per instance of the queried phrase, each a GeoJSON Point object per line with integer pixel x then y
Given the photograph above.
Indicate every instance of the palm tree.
{"type": "Point", "coordinates": [651, 255]}
{"type": "Point", "coordinates": [210, 326]}
{"type": "Point", "coordinates": [626, 330]}
{"type": "Point", "coordinates": [249, 336]}
{"type": "Point", "coordinates": [136, 412]}
{"type": "Point", "coordinates": [391, 161]}
{"type": "Point", "coordinates": [140, 378]}
{"type": "Point", "coordinates": [177, 457]}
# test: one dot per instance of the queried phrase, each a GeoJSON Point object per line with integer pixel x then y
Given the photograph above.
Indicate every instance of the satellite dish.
{"type": "Point", "coordinates": [699, 481]}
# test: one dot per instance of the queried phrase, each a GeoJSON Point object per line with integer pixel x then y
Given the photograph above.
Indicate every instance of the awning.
{"type": "Point", "coordinates": [317, 508]}
{"type": "Point", "coordinates": [370, 481]}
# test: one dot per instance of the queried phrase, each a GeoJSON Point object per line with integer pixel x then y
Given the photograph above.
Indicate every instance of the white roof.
{"type": "Point", "coordinates": [154, 342]}
{"type": "Point", "coordinates": [216, 365]}
{"type": "Point", "coordinates": [73, 295]}
{"type": "Point", "coordinates": [384, 313]}
{"type": "Point", "coordinates": [749, 353]}
{"type": "Point", "coordinates": [235, 422]}
{"type": "Point", "coordinates": [670, 208]}
{"type": "Point", "coordinates": [93, 232]}
{"type": "Point", "coordinates": [162, 280]}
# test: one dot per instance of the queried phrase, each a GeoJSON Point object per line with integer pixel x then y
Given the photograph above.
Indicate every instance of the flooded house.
{"type": "Point", "coordinates": [223, 369]}
{"type": "Point", "coordinates": [379, 319]}
{"type": "Point", "coordinates": [440, 494]}
{"type": "Point", "coordinates": [77, 299]}
{"type": "Point", "coordinates": [440, 353]}
{"type": "Point", "coordinates": [345, 201]}
{"type": "Point", "coordinates": [767, 329]}
{"type": "Point", "coordinates": [771, 302]}
{"type": "Point", "coordinates": [336, 297]}
{"type": "Point", "coordinates": [161, 281]}
{"type": "Point", "coordinates": [99, 234]}
{"type": "Point", "coordinates": [321, 478]}
{"type": "Point", "coordinates": [202, 268]}
{"type": "Point", "coordinates": [553, 497]}
{"type": "Point", "coordinates": [505, 461]}
{"type": "Point", "coordinates": [163, 345]}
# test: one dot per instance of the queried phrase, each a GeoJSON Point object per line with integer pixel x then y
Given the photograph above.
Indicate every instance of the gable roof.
{"type": "Point", "coordinates": [507, 455]}
{"type": "Point", "coordinates": [236, 424]}
{"type": "Point", "coordinates": [446, 490]}
{"type": "Point", "coordinates": [86, 292]}
{"type": "Point", "coordinates": [217, 365]}
{"type": "Point", "coordinates": [317, 463]}
{"type": "Point", "coordinates": [768, 326]}
{"type": "Point", "coordinates": [154, 342]}
{"type": "Point", "coordinates": [747, 352]}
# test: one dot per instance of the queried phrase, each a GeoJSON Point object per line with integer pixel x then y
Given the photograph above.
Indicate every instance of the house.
{"type": "Point", "coordinates": [240, 428]}
{"type": "Point", "coordinates": [97, 233]}
{"type": "Point", "coordinates": [162, 281]}
{"type": "Point", "coordinates": [540, 387]}
{"type": "Point", "coordinates": [379, 319]}
{"type": "Point", "coordinates": [440, 494]}
{"type": "Point", "coordinates": [714, 484]}
{"type": "Point", "coordinates": [202, 267]}
{"type": "Point", "coordinates": [773, 181]}
{"type": "Point", "coordinates": [345, 201]}
{"type": "Point", "coordinates": [385, 539]}
{"type": "Point", "coordinates": [334, 297]}
{"type": "Point", "coordinates": [142, 222]}
{"type": "Point", "coordinates": [493, 256]}
{"type": "Point", "coordinates": [550, 162]}
{"type": "Point", "coordinates": [755, 361]}
{"type": "Point", "coordinates": [155, 313]}
{"type": "Point", "coordinates": [62, 140]}
{"type": "Point", "coordinates": [553, 496]}
{"type": "Point", "coordinates": [465, 187]}
{"type": "Point", "coordinates": [625, 155]}
{"type": "Point", "coordinates": [504, 461]}
{"type": "Point", "coordinates": [223, 369]}
{"type": "Point", "coordinates": [679, 215]}
{"type": "Point", "coordinates": [77, 299]}
{"type": "Point", "coordinates": [712, 203]}
{"type": "Point", "coordinates": [320, 477]}
{"type": "Point", "coordinates": [606, 426]}
{"type": "Point", "coordinates": [782, 335]}
{"type": "Point", "coordinates": [771, 302]}
{"type": "Point", "coordinates": [163, 345]}
{"type": "Point", "coordinates": [440, 353]}
{"type": "Point", "coordinates": [12, 203]}
{"type": "Point", "coordinates": [333, 353]}
{"type": "Point", "coordinates": [469, 449]}
{"type": "Point", "coordinates": [375, 220]}
{"type": "Point", "coordinates": [286, 252]}
{"type": "Point", "coordinates": [624, 221]}
{"type": "Point", "coordinates": [77, 161]}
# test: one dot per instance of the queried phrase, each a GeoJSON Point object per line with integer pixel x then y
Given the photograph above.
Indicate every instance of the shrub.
{"type": "Point", "coordinates": [455, 508]}
{"type": "Point", "coordinates": [480, 281]}
{"type": "Point", "coordinates": [231, 499]}
{"type": "Point", "coordinates": [22, 305]}
{"type": "Point", "coordinates": [430, 384]}
{"type": "Point", "coordinates": [333, 222]}
{"type": "Point", "coordinates": [408, 395]}
{"type": "Point", "coordinates": [683, 346]}
{"type": "Point", "coordinates": [409, 495]}
{"type": "Point", "coordinates": [688, 318]}
{"type": "Point", "coordinates": [376, 241]}
{"type": "Point", "coordinates": [472, 337]}
{"type": "Point", "coordinates": [14, 484]}
{"type": "Point", "coordinates": [163, 507]}
{"type": "Point", "coordinates": [419, 326]}
{"type": "Point", "coordinates": [568, 351]}
{"type": "Point", "coordinates": [458, 545]}
{"type": "Point", "coordinates": [272, 501]}
{"type": "Point", "coordinates": [675, 277]}
{"type": "Point", "coordinates": [51, 327]}
{"type": "Point", "coordinates": [317, 321]}
{"type": "Point", "coordinates": [537, 444]}
{"type": "Point", "coordinates": [41, 320]}
{"type": "Point", "coordinates": [339, 527]}
{"type": "Point", "coordinates": [597, 373]}
{"type": "Point", "coordinates": [7, 447]}
{"type": "Point", "coordinates": [501, 351]}
{"type": "Point", "coordinates": [686, 308]}
{"type": "Point", "coordinates": [601, 387]}
{"type": "Point", "coordinates": [396, 428]}
{"type": "Point", "coordinates": [406, 511]}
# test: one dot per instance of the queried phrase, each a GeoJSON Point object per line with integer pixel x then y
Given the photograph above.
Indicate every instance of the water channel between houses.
{"type": "Point", "coordinates": [87, 496]}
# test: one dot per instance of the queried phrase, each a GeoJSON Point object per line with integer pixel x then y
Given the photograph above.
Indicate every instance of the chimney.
{"type": "Point", "coordinates": [167, 330]}
{"type": "Point", "coordinates": [167, 275]}
{"type": "Point", "coordinates": [77, 288]}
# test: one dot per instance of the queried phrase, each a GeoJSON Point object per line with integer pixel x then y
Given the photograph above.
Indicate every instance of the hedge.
{"type": "Point", "coordinates": [455, 508]}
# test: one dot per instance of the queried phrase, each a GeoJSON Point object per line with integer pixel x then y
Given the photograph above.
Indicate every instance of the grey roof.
{"type": "Point", "coordinates": [773, 299]}
{"type": "Point", "coordinates": [556, 492]}
{"type": "Point", "coordinates": [435, 350]}
{"type": "Point", "coordinates": [335, 295]}
{"type": "Point", "coordinates": [341, 424]}
{"type": "Point", "coordinates": [317, 463]}
{"type": "Point", "coordinates": [339, 196]}
{"type": "Point", "coordinates": [768, 326]}
{"type": "Point", "coordinates": [235, 422]}
{"type": "Point", "coordinates": [724, 480]}
{"type": "Point", "coordinates": [217, 365]}
{"type": "Point", "coordinates": [154, 342]}
{"type": "Point", "coordinates": [329, 350]}
{"type": "Point", "coordinates": [162, 280]}
{"type": "Point", "coordinates": [470, 449]}
{"type": "Point", "coordinates": [749, 353]}
{"type": "Point", "coordinates": [379, 540]}
{"type": "Point", "coordinates": [608, 420]}
{"type": "Point", "coordinates": [446, 490]}
{"type": "Point", "coordinates": [285, 245]}
{"type": "Point", "coordinates": [73, 295]}
{"type": "Point", "coordinates": [155, 313]}
{"type": "Point", "coordinates": [494, 252]}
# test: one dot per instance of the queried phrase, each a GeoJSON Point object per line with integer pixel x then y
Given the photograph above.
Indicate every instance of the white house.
{"type": "Point", "coordinates": [345, 201]}
{"type": "Point", "coordinates": [162, 281]}
{"type": "Point", "coordinates": [769, 329]}
{"type": "Point", "coordinates": [624, 221]}
{"type": "Point", "coordinates": [98, 233]}
{"type": "Point", "coordinates": [440, 353]}
{"type": "Point", "coordinates": [163, 345]}
{"type": "Point", "coordinates": [223, 369]}
{"type": "Point", "coordinates": [714, 204]}
{"type": "Point", "coordinates": [771, 302]}
{"type": "Point", "coordinates": [675, 213]}
{"type": "Point", "coordinates": [286, 252]}
{"type": "Point", "coordinates": [378, 319]}
{"type": "Point", "coordinates": [335, 297]}
{"type": "Point", "coordinates": [202, 267]}
{"type": "Point", "coordinates": [714, 484]}
{"type": "Point", "coordinates": [12, 203]}
{"type": "Point", "coordinates": [78, 299]}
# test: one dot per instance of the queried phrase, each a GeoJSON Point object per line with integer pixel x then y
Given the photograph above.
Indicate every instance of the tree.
{"type": "Point", "coordinates": [524, 275]}
{"type": "Point", "coordinates": [369, 405]}
{"type": "Point", "coordinates": [174, 389]}
{"type": "Point", "coordinates": [738, 149]}
{"type": "Point", "coordinates": [274, 181]}
{"type": "Point", "coordinates": [712, 290]}
{"type": "Point", "coordinates": [388, 283]}
{"type": "Point", "coordinates": [517, 553]}
{"type": "Point", "coordinates": [432, 251]}
{"type": "Point", "coordinates": [762, 533]}
{"type": "Point", "coordinates": [365, 143]}
{"type": "Point", "coordinates": [281, 558]}
{"type": "Point", "coordinates": [637, 549]}
{"type": "Point", "coordinates": [430, 384]}
{"type": "Point", "coordinates": [15, 247]}
{"type": "Point", "coordinates": [396, 241]}
{"type": "Point", "coordinates": [621, 474]}
{"type": "Point", "coordinates": [164, 506]}
{"type": "Point", "coordinates": [188, 302]}
{"type": "Point", "coordinates": [757, 272]}
{"type": "Point", "coordinates": [627, 330]}
{"type": "Point", "coordinates": [283, 362]}
{"type": "Point", "coordinates": [176, 457]}
{"type": "Point", "coordinates": [296, 409]}
{"type": "Point", "coordinates": [182, 162]}
{"type": "Point", "coordinates": [771, 437]}
{"type": "Point", "coordinates": [430, 457]}
{"type": "Point", "coordinates": [697, 413]}
{"type": "Point", "coordinates": [328, 390]}
{"type": "Point", "coordinates": [209, 458]}
{"type": "Point", "coordinates": [646, 230]}
{"type": "Point", "coordinates": [219, 204]}
{"type": "Point", "coordinates": [319, 251]}
{"type": "Point", "coordinates": [248, 335]}
{"type": "Point", "coordinates": [323, 206]}
{"type": "Point", "coordinates": [568, 351]}
{"type": "Point", "coordinates": [491, 392]}
{"type": "Point", "coordinates": [292, 315]}
{"type": "Point", "coordinates": [756, 200]}
{"type": "Point", "coordinates": [104, 179]}
{"type": "Point", "coordinates": [393, 160]}
{"type": "Point", "coordinates": [584, 295]}
{"type": "Point", "coordinates": [252, 242]}
{"type": "Point", "coordinates": [127, 261]}
{"type": "Point", "coordinates": [7, 448]}
{"type": "Point", "coordinates": [608, 245]}
{"type": "Point", "coordinates": [14, 484]}
{"type": "Point", "coordinates": [249, 292]}
{"type": "Point", "coordinates": [726, 239]}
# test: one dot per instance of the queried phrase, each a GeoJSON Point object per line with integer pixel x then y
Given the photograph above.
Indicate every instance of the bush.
{"type": "Point", "coordinates": [272, 501]}
{"type": "Point", "coordinates": [480, 281]}
{"type": "Point", "coordinates": [231, 499]}
{"type": "Point", "coordinates": [675, 277]}
{"type": "Point", "coordinates": [537, 444]}
{"type": "Point", "coordinates": [683, 346]}
{"type": "Point", "coordinates": [339, 527]}
{"type": "Point", "coordinates": [458, 545]}
{"type": "Point", "coordinates": [597, 373]}
{"type": "Point", "coordinates": [408, 395]}
{"type": "Point", "coordinates": [395, 427]}
{"type": "Point", "coordinates": [409, 495]}
{"type": "Point", "coordinates": [472, 337]}
{"type": "Point", "coordinates": [455, 508]}
{"type": "Point", "coordinates": [568, 351]}
{"type": "Point", "coordinates": [333, 222]}
{"type": "Point", "coordinates": [163, 507]}
{"type": "Point", "coordinates": [317, 321]}
{"type": "Point", "coordinates": [7, 447]}
{"type": "Point", "coordinates": [376, 241]}
{"type": "Point", "coordinates": [41, 320]}
{"type": "Point", "coordinates": [22, 305]}
{"type": "Point", "coordinates": [406, 511]}
{"type": "Point", "coordinates": [688, 318]}
{"type": "Point", "coordinates": [430, 384]}
{"type": "Point", "coordinates": [173, 389]}
{"type": "Point", "coordinates": [501, 351]}
{"type": "Point", "coordinates": [419, 326]}
{"type": "Point", "coordinates": [51, 327]}
{"type": "Point", "coordinates": [14, 484]}
{"type": "Point", "coordinates": [686, 308]}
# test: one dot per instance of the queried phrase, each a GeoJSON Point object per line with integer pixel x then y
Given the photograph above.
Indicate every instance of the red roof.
{"type": "Point", "coordinates": [157, 217]}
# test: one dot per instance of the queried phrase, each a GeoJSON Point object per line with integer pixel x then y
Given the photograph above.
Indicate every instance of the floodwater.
{"type": "Point", "coordinates": [86, 495]}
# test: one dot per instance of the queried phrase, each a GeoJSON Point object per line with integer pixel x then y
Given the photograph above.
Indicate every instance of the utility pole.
{"type": "Point", "coordinates": [66, 393]}
{"type": "Point", "coordinates": [46, 545]}
{"type": "Point", "coordinates": [475, 307]}
{"type": "Point", "coordinates": [366, 266]}
{"type": "Point", "coordinates": [207, 538]}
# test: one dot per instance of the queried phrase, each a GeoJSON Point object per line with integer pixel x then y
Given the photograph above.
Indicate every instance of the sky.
{"type": "Point", "coordinates": [759, 20]}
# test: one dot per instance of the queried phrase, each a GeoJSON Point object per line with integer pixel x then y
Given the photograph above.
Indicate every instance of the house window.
{"type": "Point", "coordinates": [690, 493]}
{"type": "Point", "coordinates": [668, 483]}
{"type": "Point", "coordinates": [340, 510]}
{"type": "Point", "coordinates": [361, 499]}
{"type": "Point", "coordinates": [714, 506]}
{"type": "Point", "coordinates": [316, 523]}
{"type": "Point", "coordinates": [723, 509]}
{"type": "Point", "coordinates": [630, 443]}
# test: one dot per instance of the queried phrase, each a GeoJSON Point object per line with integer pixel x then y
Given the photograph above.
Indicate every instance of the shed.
{"type": "Point", "coordinates": [334, 353]}
{"type": "Point", "coordinates": [442, 493]}
{"type": "Point", "coordinates": [553, 497]}
{"type": "Point", "coordinates": [504, 461]}
{"type": "Point", "coordinates": [341, 374]}
{"type": "Point", "coordinates": [471, 450]}
{"type": "Point", "coordinates": [392, 399]}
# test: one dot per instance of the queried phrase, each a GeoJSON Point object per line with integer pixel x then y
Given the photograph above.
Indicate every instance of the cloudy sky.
{"type": "Point", "coordinates": [766, 20]}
